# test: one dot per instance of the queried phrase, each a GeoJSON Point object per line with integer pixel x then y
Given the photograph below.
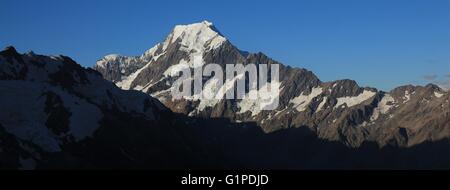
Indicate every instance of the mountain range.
{"type": "Point", "coordinates": [336, 111]}
{"type": "Point", "coordinates": [55, 114]}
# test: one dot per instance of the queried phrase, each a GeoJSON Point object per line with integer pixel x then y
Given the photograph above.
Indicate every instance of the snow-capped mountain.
{"type": "Point", "coordinates": [52, 102]}
{"type": "Point", "coordinates": [55, 114]}
{"type": "Point", "coordinates": [337, 111]}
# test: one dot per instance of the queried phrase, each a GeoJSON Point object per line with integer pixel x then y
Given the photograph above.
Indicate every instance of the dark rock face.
{"type": "Point", "coordinates": [337, 111]}
{"type": "Point", "coordinates": [58, 116]}
{"type": "Point", "coordinates": [14, 68]}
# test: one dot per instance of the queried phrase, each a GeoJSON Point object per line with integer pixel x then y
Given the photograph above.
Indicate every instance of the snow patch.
{"type": "Point", "coordinates": [322, 104]}
{"type": "Point", "coordinates": [255, 106]}
{"type": "Point", "coordinates": [407, 96]}
{"type": "Point", "coordinates": [438, 95]}
{"type": "Point", "coordinates": [354, 100]}
{"type": "Point", "coordinates": [301, 102]}
{"type": "Point", "coordinates": [383, 107]}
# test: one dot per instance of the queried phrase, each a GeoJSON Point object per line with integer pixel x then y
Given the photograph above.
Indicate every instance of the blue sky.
{"type": "Point", "coordinates": [379, 43]}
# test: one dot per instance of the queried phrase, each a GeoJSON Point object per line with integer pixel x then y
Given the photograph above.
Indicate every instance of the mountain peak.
{"type": "Point", "coordinates": [10, 50]}
{"type": "Point", "coordinates": [112, 56]}
{"type": "Point", "coordinates": [202, 35]}
{"type": "Point", "coordinates": [205, 22]}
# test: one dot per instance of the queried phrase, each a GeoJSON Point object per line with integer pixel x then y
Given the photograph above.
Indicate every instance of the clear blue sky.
{"type": "Point", "coordinates": [379, 43]}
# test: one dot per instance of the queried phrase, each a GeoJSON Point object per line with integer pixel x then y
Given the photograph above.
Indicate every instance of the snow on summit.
{"type": "Point", "coordinates": [197, 36]}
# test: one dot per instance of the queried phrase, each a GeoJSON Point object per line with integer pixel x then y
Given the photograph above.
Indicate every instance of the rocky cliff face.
{"type": "Point", "coordinates": [338, 111]}
{"type": "Point", "coordinates": [55, 114]}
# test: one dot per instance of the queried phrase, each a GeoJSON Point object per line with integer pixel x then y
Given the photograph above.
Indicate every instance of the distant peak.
{"type": "Point", "coordinates": [207, 23]}
{"type": "Point", "coordinates": [112, 56]}
{"type": "Point", "coordinates": [10, 50]}
{"type": "Point", "coordinates": [204, 23]}
{"type": "Point", "coordinates": [432, 86]}
{"type": "Point", "coordinates": [31, 52]}
{"type": "Point", "coordinates": [204, 26]}
{"type": "Point", "coordinates": [196, 36]}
